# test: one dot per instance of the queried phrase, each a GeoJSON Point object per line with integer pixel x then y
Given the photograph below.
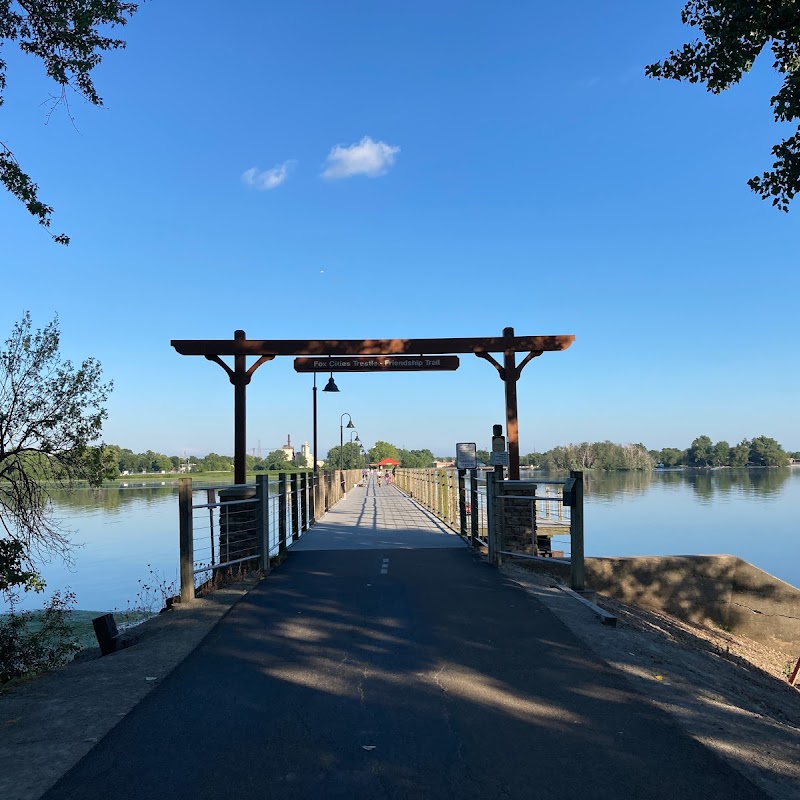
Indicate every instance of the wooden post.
{"type": "Point", "coordinates": [186, 539]}
{"type": "Point", "coordinates": [451, 506]}
{"type": "Point", "coordinates": [281, 512]}
{"type": "Point", "coordinates": [491, 517]}
{"type": "Point", "coordinates": [211, 495]}
{"type": "Point", "coordinates": [793, 676]}
{"type": "Point", "coordinates": [240, 417]}
{"type": "Point", "coordinates": [304, 501]}
{"type": "Point", "coordinates": [262, 520]}
{"type": "Point", "coordinates": [295, 509]}
{"type": "Point", "coordinates": [312, 509]}
{"type": "Point", "coordinates": [473, 501]}
{"type": "Point", "coordinates": [577, 571]}
{"type": "Point", "coordinates": [512, 417]}
{"type": "Point", "coordinates": [462, 501]}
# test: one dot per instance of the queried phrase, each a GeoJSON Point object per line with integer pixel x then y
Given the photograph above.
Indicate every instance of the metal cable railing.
{"type": "Point", "coordinates": [232, 528]}
{"type": "Point", "coordinates": [527, 519]}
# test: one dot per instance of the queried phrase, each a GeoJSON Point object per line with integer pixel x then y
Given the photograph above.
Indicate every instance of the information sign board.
{"type": "Point", "coordinates": [498, 459]}
{"type": "Point", "coordinates": [376, 364]}
{"type": "Point", "coordinates": [466, 455]}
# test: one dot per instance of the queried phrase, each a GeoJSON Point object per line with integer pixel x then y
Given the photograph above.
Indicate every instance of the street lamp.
{"type": "Point", "coordinates": [341, 442]}
{"type": "Point", "coordinates": [330, 387]}
{"type": "Point", "coordinates": [357, 440]}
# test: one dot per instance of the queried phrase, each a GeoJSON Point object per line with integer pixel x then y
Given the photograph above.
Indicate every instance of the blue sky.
{"type": "Point", "coordinates": [370, 170]}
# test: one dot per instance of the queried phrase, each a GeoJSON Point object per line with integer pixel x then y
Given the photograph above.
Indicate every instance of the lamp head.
{"type": "Point", "coordinates": [350, 423]}
{"type": "Point", "coordinates": [331, 385]}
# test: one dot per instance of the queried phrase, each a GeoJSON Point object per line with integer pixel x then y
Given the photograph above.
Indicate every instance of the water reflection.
{"type": "Point", "coordinates": [110, 498]}
{"type": "Point", "coordinates": [705, 484]}
{"type": "Point", "coordinates": [123, 533]}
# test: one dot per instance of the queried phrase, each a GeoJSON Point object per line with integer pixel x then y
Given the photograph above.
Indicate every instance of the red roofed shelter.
{"type": "Point", "coordinates": [389, 462]}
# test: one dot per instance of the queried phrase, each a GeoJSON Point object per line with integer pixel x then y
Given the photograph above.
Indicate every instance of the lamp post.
{"type": "Point", "coordinates": [341, 442]}
{"type": "Point", "coordinates": [329, 387]}
{"type": "Point", "coordinates": [357, 441]}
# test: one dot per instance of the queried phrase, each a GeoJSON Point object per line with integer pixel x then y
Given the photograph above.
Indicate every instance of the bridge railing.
{"type": "Point", "coordinates": [232, 528]}
{"type": "Point", "coordinates": [456, 497]}
{"type": "Point", "coordinates": [521, 519]}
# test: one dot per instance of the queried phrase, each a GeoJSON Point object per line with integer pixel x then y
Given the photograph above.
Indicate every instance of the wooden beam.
{"type": "Point", "coordinates": [365, 347]}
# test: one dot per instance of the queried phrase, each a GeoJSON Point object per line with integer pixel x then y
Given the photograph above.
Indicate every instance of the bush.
{"type": "Point", "coordinates": [33, 642]}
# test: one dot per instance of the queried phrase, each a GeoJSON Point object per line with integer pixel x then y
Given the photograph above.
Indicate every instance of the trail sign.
{"type": "Point", "coordinates": [377, 364]}
{"type": "Point", "coordinates": [466, 455]}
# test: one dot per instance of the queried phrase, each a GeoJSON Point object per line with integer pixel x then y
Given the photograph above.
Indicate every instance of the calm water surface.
{"type": "Point", "coordinates": [125, 533]}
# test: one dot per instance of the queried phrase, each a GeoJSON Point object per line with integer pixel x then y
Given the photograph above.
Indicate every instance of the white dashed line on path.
{"type": "Point", "coordinates": [385, 566]}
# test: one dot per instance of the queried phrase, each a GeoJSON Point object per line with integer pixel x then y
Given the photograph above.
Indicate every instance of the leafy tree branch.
{"type": "Point", "coordinates": [735, 32]}
{"type": "Point", "coordinates": [50, 414]}
{"type": "Point", "coordinates": [68, 37]}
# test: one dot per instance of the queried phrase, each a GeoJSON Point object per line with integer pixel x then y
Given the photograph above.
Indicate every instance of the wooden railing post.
{"type": "Point", "coordinates": [473, 501]}
{"type": "Point", "coordinates": [295, 509]}
{"type": "Point", "coordinates": [452, 495]}
{"type": "Point", "coordinates": [429, 493]}
{"type": "Point", "coordinates": [494, 515]}
{"type": "Point", "coordinates": [304, 501]}
{"type": "Point", "coordinates": [312, 500]}
{"type": "Point", "coordinates": [186, 539]}
{"type": "Point", "coordinates": [462, 501]}
{"type": "Point", "coordinates": [281, 512]}
{"type": "Point", "coordinates": [577, 570]}
{"type": "Point", "coordinates": [262, 519]}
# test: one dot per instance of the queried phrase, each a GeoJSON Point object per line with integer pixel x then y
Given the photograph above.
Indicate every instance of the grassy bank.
{"type": "Point", "coordinates": [81, 622]}
{"type": "Point", "coordinates": [198, 478]}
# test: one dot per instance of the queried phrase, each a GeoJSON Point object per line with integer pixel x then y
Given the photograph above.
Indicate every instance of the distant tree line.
{"type": "Point", "coordinates": [352, 456]}
{"type": "Point", "coordinates": [587, 455]}
{"type": "Point", "coordinates": [120, 461]}
{"type": "Point", "coordinates": [759, 452]}
{"type": "Point", "coordinates": [703, 453]}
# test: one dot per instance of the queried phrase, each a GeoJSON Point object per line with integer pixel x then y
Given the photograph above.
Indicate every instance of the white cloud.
{"type": "Point", "coordinates": [264, 180]}
{"type": "Point", "coordinates": [367, 157]}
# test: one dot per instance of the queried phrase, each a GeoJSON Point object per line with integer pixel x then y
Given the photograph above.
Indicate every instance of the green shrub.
{"type": "Point", "coordinates": [33, 642]}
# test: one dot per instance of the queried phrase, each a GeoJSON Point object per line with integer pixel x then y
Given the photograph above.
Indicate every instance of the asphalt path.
{"type": "Point", "coordinates": [394, 672]}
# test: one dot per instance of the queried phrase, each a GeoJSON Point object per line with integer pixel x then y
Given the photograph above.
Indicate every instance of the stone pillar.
{"type": "Point", "coordinates": [519, 524]}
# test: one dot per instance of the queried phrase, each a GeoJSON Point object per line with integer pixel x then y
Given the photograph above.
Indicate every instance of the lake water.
{"type": "Point", "coordinates": [130, 534]}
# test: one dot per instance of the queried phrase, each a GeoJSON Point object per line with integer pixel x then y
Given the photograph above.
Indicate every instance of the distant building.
{"type": "Point", "coordinates": [305, 451]}
{"type": "Point", "coordinates": [288, 449]}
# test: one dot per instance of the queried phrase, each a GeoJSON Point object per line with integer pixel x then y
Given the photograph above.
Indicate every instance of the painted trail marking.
{"type": "Point", "coordinates": [385, 566]}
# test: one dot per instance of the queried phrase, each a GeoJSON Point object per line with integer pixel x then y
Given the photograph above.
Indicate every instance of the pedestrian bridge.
{"type": "Point", "coordinates": [377, 517]}
{"type": "Point", "coordinates": [386, 658]}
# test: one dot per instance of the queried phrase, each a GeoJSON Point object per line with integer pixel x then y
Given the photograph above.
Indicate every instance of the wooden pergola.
{"type": "Point", "coordinates": [240, 347]}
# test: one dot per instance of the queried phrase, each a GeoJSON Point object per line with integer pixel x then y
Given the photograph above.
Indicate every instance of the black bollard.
{"type": "Point", "coordinates": [105, 629]}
